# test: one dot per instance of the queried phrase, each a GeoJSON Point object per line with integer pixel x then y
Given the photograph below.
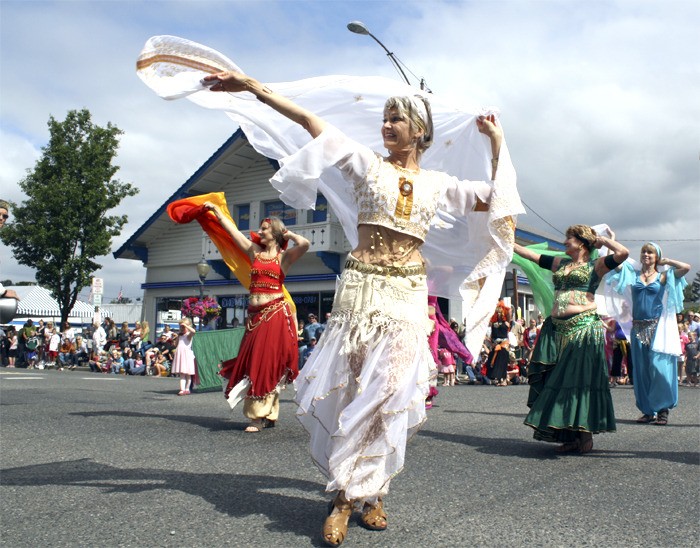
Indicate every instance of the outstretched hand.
{"type": "Point", "coordinates": [230, 81]}
{"type": "Point", "coordinates": [209, 206]}
{"type": "Point", "coordinates": [488, 126]}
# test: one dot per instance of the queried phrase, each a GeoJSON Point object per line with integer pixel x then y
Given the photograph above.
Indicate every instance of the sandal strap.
{"type": "Point", "coordinates": [335, 528]}
{"type": "Point", "coordinates": [373, 516]}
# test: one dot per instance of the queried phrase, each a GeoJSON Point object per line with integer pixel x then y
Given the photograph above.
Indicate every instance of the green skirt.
{"type": "Point", "coordinates": [568, 377]}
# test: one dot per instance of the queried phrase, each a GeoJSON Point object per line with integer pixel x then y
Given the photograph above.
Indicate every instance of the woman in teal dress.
{"type": "Point", "coordinates": [656, 297]}
{"type": "Point", "coordinates": [569, 396]}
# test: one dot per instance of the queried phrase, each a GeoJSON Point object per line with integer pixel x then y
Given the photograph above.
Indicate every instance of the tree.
{"type": "Point", "coordinates": [692, 292]}
{"type": "Point", "coordinates": [63, 225]}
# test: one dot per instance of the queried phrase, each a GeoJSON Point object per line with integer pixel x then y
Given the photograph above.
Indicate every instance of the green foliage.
{"type": "Point", "coordinates": [693, 289]}
{"type": "Point", "coordinates": [63, 225]}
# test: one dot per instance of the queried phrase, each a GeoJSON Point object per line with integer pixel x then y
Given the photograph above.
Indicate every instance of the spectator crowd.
{"type": "Point", "coordinates": [103, 346]}
{"type": "Point", "coordinates": [112, 348]}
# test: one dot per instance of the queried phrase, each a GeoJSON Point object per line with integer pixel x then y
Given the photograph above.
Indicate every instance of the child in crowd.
{"type": "Point", "coordinates": [116, 362]}
{"type": "Point", "coordinates": [13, 342]}
{"type": "Point", "coordinates": [98, 362]}
{"type": "Point", "coordinates": [692, 359]}
{"type": "Point", "coordinates": [159, 367]}
{"type": "Point", "coordinates": [513, 369]}
{"type": "Point", "coordinates": [54, 345]}
{"type": "Point", "coordinates": [184, 363]}
{"type": "Point", "coordinates": [446, 366]}
{"type": "Point", "coordinates": [138, 368]}
{"type": "Point", "coordinates": [31, 356]}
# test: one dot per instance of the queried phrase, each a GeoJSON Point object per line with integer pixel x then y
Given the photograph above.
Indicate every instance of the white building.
{"type": "Point", "coordinates": [171, 252]}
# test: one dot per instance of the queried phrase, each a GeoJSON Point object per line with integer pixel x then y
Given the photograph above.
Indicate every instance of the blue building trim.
{"type": "Point", "coordinates": [330, 260]}
{"type": "Point", "coordinates": [234, 281]}
{"type": "Point", "coordinates": [537, 239]}
{"type": "Point", "coordinates": [221, 268]}
{"type": "Point", "coordinates": [141, 252]}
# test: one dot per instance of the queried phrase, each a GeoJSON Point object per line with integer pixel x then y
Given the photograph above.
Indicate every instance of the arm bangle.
{"type": "Point", "coordinates": [265, 91]}
{"type": "Point", "coordinates": [611, 262]}
{"type": "Point", "coordinates": [546, 261]}
{"type": "Point", "coordinates": [259, 93]}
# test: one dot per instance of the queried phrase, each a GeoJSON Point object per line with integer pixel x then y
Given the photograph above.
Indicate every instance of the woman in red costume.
{"type": "Point", "coordinates": [268, 356]}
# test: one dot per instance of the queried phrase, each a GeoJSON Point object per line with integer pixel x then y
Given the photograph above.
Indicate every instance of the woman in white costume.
{"type": "Point", "coordinates": [361, 394]}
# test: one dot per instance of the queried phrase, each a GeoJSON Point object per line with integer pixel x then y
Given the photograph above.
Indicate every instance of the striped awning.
{"type": "Point", "coordinates": [81, 309]}
{"type": "Point", "coordinates": [38, 301]}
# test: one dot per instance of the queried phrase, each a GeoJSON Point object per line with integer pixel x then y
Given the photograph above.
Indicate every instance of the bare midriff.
{"type": "Point", "coordinates": [383, 246]}
{"type": "Point", "coordinates": [259, 299]}
{"type": "Point", "coordinates": [578, 301]}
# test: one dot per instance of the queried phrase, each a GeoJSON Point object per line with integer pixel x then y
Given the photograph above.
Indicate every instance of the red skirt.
{"type": "Point", "coordinates": [268, 353]}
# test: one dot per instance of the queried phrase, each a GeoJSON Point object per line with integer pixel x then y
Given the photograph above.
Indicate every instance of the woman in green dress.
{"type": "Point", "coordinates": [569, 396]}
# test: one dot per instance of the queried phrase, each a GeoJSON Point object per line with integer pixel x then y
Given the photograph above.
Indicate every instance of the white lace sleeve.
{"type": "Point", "coordinates": [460, 196]}
{"type": "Point", "coordinates": [300, 173]}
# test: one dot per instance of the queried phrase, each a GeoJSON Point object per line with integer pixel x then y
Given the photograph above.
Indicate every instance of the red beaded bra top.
{"type": "Point", "coordinates": [266, 275]}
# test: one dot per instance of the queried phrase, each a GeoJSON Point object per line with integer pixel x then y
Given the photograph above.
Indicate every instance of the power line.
{"type": "Point", "coordinates": [542, 218]}
{"type": "Point", "coordinates": [617, 238]}
{"type": "Point", "coordinates": [658, 240]}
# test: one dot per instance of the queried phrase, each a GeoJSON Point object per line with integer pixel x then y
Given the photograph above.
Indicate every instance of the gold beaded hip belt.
{"type": "Point", "coordinates": [402, 271]}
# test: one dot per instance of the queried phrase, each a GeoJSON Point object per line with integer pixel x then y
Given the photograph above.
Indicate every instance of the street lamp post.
{"type": "Point", "coordinates": [358, 27]}
{"type": "Point", "coordinates": [203, 269]}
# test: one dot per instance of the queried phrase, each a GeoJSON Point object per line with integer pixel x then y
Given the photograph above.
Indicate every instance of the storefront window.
{"type": "Point", "coordinates": [233, 311]}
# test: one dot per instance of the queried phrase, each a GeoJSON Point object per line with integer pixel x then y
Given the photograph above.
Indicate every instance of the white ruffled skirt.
{"type": "Point", "coordinates": [361, 394]}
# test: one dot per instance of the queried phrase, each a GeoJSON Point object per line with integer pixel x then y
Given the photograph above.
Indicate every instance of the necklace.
{"type": "Point", "coordinates": [266, 259]}
{"type": "Point", "coordinates": [647, 276]}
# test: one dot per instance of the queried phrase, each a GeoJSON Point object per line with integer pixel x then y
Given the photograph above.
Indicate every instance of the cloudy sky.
{"type": "Point", "coordinates": [599, 99]}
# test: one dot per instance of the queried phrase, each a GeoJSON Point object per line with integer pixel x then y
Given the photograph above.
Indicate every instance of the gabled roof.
{"type": "Point", "coordinates": [231, 158]}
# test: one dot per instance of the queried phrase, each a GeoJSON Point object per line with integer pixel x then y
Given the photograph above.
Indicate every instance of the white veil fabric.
{"type": "Point", "coordinates": [466, 257]}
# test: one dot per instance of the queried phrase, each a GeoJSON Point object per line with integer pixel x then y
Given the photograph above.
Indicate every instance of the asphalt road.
{"type": "Point", "coordinates": [99, 460]}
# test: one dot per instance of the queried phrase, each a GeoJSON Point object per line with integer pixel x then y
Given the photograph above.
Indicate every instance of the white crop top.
{"type": "Point", "coordinates": [403, 200]}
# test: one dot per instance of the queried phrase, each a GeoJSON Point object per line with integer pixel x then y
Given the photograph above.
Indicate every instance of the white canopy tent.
{"type": "Point", "coordinates": [37, 303]}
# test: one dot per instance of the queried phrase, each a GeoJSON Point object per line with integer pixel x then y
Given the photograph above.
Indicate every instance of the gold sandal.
{"type": "Point", "coordinates": [374, 516]}
{"type": "Point", "coordinates": [335, 528]}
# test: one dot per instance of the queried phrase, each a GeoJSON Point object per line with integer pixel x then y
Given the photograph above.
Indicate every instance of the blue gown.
{"type": "Point", "coordinates": [655, 376]}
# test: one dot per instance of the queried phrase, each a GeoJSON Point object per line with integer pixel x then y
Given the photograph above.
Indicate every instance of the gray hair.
{"type": "Point", "coordinates": [417, 110]}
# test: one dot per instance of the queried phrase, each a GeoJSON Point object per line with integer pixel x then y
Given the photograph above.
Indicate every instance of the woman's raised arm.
{"type": "Point", "coordinates": [239, 238]}
{"type": "Point", "coordinates": [235, 82]}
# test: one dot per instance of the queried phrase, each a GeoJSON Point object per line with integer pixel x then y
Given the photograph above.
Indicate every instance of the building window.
{"type": "Point", "coordinates": [320, 214]}
{"type": "Point", "coordinates": [279, 209]}
{"type": "Point", "coordinates": [243, 216]}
